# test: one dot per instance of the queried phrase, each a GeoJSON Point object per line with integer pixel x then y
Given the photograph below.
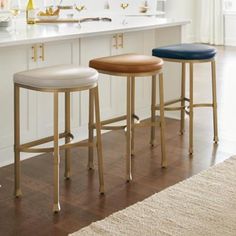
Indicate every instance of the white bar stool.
{"type": "Point", "coordinates": [55, 80]}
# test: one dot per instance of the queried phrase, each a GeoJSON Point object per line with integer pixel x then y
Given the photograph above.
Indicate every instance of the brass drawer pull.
{"type": "Point", "coordinates": [42, 57]}
{"type": "Point", "coordinates": [121, 36]}
{"type": "Point", "coordinates": [115, 37]}
{"type": "Point", "coordinates": [34, 53]}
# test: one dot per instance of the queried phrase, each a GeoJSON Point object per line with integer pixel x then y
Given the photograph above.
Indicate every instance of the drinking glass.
{"type": "Point", "coordinates": [124, 6]}
{"type": "Point", "coordinates": [79, 8]}
{"type": "Point", "coordinates": [15, 11]}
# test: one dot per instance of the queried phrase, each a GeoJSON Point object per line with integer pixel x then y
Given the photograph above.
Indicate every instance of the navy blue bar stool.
{"type": "Point", "coordinates": [190, 54]}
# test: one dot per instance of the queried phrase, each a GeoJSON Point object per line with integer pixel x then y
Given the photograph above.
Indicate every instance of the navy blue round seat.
{"type": "Point", "coordinates": [185, 52]}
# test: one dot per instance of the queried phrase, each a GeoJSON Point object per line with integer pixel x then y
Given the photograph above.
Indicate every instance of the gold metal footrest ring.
{"type": "Point", "coordinates": [29, 148]}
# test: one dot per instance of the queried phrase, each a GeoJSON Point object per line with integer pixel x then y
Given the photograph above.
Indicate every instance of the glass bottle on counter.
{"type": "Point", "coordinates": [30, 12]}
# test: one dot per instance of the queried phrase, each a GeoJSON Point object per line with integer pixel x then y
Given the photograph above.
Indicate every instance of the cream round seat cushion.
{"type": "Point", "coordinates": [58, 77]}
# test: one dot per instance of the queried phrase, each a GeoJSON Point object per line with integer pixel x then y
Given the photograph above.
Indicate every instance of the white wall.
{"type": "Point", "coordinates": [230, 5]}
{"type": "Point", "coordinates": [230, 35]}
{"type": "Point", "coordinates": [230, 22]}
{"type": "Point", "coordinates": [185, 9]}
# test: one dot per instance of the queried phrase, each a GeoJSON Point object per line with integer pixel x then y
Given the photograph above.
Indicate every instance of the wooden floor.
{"type": "Point", "coordinates": [80, 201]}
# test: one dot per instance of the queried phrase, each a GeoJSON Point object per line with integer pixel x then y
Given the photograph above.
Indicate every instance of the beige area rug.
{"type": "Point", "coordinates": [202, 205]}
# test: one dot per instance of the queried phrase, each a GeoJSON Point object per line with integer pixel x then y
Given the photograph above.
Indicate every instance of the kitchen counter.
{"type": "Point", "coordinates": [29, 34]}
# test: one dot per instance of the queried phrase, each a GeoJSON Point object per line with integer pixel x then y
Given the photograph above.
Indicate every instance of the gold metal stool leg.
{"type": "Point", "coordinates": [18, 192]}
{"type": "Point", "coordinates": [214, 96]}
{"type": "Point", "coordinates": [191, 110]}
{"type": "Point", "coordinates": [153, 110]}
{"type": "Point", "coordinates": [67, 139]}
{"type": "Point", "coordinates": [128, 132]}
{"type": "Point", "coordinates": [56, 156]}
{"type": "Point", "coordinates": [183, 98]}
{"type": "Point", "coordinates": [133, 114]}
{"type": "Point", "coordinates": [95, 97]}
{"type": "Point", "coordinates": [90, 127]}
{"type": "Point", "coordinates": [162, 121]}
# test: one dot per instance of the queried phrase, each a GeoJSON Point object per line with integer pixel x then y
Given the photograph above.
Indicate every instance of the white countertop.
{"type": "Point", "coordinates": [40, 33]}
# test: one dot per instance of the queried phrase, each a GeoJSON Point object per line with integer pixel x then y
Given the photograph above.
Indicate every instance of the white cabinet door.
{"type": "Point", "coordinates": [13, 60]}
{"type": "Point", "coordinates": [140, 43]}
{"type": "Point", "coordinates": [49, 54]}
{"type": "Point", "coordinates": [172, 71]}
{"type": "Point", "coordinates": [95, 47]}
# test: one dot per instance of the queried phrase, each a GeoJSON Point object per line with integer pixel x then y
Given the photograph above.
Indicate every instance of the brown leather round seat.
{"type": "Point", "coordinates": [127, 63]}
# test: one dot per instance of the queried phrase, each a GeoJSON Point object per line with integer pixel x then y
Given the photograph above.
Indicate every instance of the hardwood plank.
{"type": "Point", "coordinates": [81, 204]}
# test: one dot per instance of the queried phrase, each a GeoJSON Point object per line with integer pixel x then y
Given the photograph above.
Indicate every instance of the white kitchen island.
{"type": "Point", "coordinates": [49, 44]}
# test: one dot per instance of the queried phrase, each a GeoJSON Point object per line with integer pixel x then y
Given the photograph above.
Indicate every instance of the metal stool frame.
{"type": "Point", "coordinates": [31, 147]}
{"type": "Point", "coordinates": [183, 108]}
{"type": "Point", "coordinates": [130, 117]}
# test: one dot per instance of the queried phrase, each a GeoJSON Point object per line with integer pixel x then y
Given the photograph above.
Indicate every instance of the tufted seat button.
{"type": "Point", "coordinates": [185, 52]}
{"type": "Point", "coordinates": [127, 63]}
{"type": "Point", "coordinates": [58, 77]}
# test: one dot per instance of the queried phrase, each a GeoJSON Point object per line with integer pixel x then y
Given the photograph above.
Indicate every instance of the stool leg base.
{"type": "Point", "coordinates": [129, 129]}
{"type": "Point", "coordinates": [190, 151]}
{"type": "Point", "coordinates": [183, 88]}
{"type": "Point", "coordinates": [17, 169]}
{"type": "Point", "coordinates": [102, 190]}
{"type": "Point", "coordinates": [152, 144]}
{"type": "Point", "coordinates": [164, 164]}
{"type": "Point", "coordinates": [18, 193]}
{"type": "Point", "coordinates": [90, 166]}
{"type": "Point", "coordinates": [56, 208]}
{"type": "Point", "coordinates": [132, 113]}
{"type": "Point", "coordinates": [67, 176]}
{"type": "Point", "coordinates": [95, 97]}
{"type": "Point", "coordinates": [129, 178]}
{"type": "Point", "coordinates": [216, 140]}
{"type": "Point", "coordinates": [90, 129]}
{"type": "Point", "coordinates": [153, 111]}
{"type": "Point", "coordinates": [162, 122]}
{"type": "Point", "coordinates": [214, 98]}
{"type": "Point", "coordinates": [191, 110]}
{"type": "Point", "coordinates": [56, 155]}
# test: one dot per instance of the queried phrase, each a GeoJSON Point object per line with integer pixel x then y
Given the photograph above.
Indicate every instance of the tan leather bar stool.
{"type": "Point", "coordinates": [57, 79]}
{"type": "Point", "coordinates": [190, 54]}
{"type": "Point", "coordinates": [132, 66]}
